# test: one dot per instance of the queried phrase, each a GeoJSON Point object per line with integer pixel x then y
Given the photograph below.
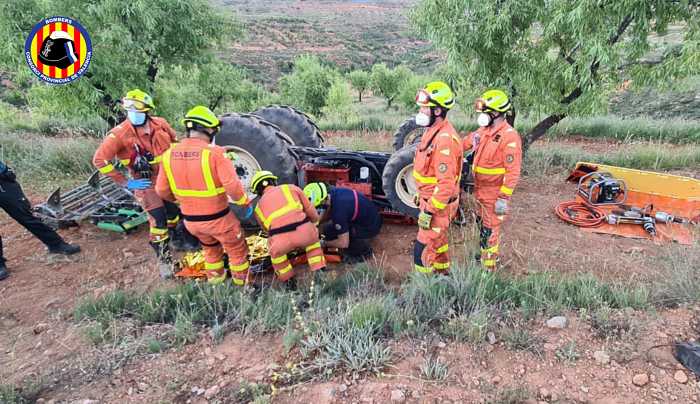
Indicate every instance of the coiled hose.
{"type": "Point", "coordinates": [580, 214]}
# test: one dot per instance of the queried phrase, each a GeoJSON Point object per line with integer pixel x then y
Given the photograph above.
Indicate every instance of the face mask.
{"type": "Point", "coordinates": [136, 118]}
{"type": "Point", "coordinates": [423, 119]}
{"type": "Point", "coordinates": [484, 119]}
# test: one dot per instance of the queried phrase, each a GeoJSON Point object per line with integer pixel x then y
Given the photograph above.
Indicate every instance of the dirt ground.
{"type": "Point", "coordinates": [39, 339]}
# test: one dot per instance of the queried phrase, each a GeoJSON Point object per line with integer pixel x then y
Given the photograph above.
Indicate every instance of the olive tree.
{"type": "Point", "coordinates": [562, 57]}
{"type": "Point", "coordinates": [360, 81]}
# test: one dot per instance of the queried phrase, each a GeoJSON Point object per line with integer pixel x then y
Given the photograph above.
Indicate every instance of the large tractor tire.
{"type": "Point", "coordinates": [259, 146]}
{"type": "Point", "coordinates": [398, 182]}
{"type": "Point", "coordinates": [408, 133]}
{"type": "Point", "coordinates": [299, 126]}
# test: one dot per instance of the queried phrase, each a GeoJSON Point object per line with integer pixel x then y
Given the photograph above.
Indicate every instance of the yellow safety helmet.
{"type": "Point", "coordinates": [263, 178]}
{"type": "Point", "coordinates": [200, 115]}
{"type": "Point", "coordinates": [494, 100]}
{"type": "Point", "coordinates": [436, 94]}
{"type": "Point", "coordinates": [317, 192]}
{"type": "Point", "coordinates": [137, 100]}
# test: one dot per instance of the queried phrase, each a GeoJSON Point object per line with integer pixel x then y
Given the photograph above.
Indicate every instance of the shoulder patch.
{"type": "Point", "coordinates": [446, 152]}
{"type": "Point", "coordinates": [510, 158]}
{"type": "Point", "coordinates": [442, 167]}
{"type": "Point", "coordinates": [338, 227]}
{"type": "Point", "coordinates": [444, 134]}
{"type": "Point", "coordinates": [513, 145]}
{"type": "Point", "coordinates": [112, 135]}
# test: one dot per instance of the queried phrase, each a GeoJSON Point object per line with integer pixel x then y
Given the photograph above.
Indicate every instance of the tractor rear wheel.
{"type": "Point", "coordinates": [408, 133]}
{"type": "Point", "coordinates": [259, 146]}
{"type": "Point", "coordinates": [398, 183]}
{"type": "Point", "coordinates": [299, 126]}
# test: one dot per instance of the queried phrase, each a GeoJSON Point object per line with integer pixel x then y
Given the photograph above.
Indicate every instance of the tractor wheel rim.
{"type": "Point", "coordinates": [246, 166]}
{"type": "Point", "coordinates": [405, 186]}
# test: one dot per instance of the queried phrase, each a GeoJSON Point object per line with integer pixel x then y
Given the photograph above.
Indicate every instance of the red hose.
{"type": "Point", "coordinates": [580, 214]}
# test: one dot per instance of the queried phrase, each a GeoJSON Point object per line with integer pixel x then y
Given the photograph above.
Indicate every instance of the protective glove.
{"type": "Point", "coordinates": [501, 207]}
{"type": "Point", "coordinates": [424, 220]}
{"type": "Point", "coordinates": [139, 184]}
{"type": "Point", "coordinates": [248, 213]}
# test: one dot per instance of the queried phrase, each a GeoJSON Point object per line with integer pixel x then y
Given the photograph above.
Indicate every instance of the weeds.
{"type": "Point", "coordinates": [10, 395]}
{"type": "Point", "coordinates": [521, 339]}
{"type": "Point", "coordinates": [513, 395]}
{"type": "Point", "coordinates": [607, 324]}
{"type": "Point", "coordinates": [434, 369]}
{"type": "Point", "coordinates": [678, 284]}
{"type": "Point", "coordinates": [568, 353]}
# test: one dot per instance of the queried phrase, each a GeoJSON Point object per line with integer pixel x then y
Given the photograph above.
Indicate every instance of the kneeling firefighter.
{"type": "Point", "coordinates": [351, 220]}
{"type": "Point", "coordinates": [289, 219]}
{"type": "Point", "coordinates": [437, 168]}
{"type": "Point", "coordinates": [497, 153]}
{"type": "Point", "coordinates": [138, 143]}
{"type": "Point", "coordinates": [199, 176]}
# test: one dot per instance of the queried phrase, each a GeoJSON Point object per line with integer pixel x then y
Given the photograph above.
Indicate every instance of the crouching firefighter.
{"type": "Point", "coordinates": [138, 143]}
{"type": "Point", "coordinates": [497, 151]}
{"type": "Point", "coordinates": [437, 167]}
{"type": "Point", "coordinates": [289, 219]}
{"type": "Point", "coordinates": [351, 220]}
{"type": "Point", "coordinates": [201, 178]}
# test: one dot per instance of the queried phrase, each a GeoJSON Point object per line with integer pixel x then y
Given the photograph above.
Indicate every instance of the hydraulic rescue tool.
{"type": "Point", "coordinates": [601, 188]}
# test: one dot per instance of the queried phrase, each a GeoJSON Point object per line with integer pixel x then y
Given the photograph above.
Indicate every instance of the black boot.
{"type": "Point", "coordinates": [182, 240]}
{"type": "Point", "coordinates": [64, 248]}
{"type": "Point", "coordinates": [3, 271]}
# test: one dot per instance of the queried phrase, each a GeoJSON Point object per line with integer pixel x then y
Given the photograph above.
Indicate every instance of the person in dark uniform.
{"type": "Point", "coordinates": [15, 203]}
{"type": "Point", "coordinates": [351, 220]}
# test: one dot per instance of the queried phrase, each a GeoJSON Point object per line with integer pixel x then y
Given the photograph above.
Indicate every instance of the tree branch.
{"type": "Point", "coordinates": [543, 126]}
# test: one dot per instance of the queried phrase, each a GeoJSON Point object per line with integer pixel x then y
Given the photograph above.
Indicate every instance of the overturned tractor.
{"type": "Point", "coordinates": [276, 138]}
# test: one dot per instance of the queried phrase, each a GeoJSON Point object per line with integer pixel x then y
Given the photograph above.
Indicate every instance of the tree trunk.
{"type": "Point", "coordinates": [359, 92]}
{"type": "Point", "coordinates": [540, 129]}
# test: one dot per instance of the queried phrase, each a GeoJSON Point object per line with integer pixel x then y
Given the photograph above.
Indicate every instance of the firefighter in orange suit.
{"type": "Point", "coordinates": [199, 176]}
{"type": "Point", "coordinates": [437, 167]}
{"type": "Point", "coordinates": [290, 221]}
{"type": "Point", "coordinates": [138, 144]}
{"type": "Point", "coordinates": [497, 158]}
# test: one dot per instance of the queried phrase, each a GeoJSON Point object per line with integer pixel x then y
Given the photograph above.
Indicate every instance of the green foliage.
{"type": "Point", "coordinates": [360, 81]}
{"type": "Point", "coordinates": [217, 85]}
{"type": "Point", "coordinates": [387, 82]}
{"type": "Point", "coordinates": [131, 45]}
{"type": "Point", "coordinates": [434, 369]}
{"type": "Point", "coordinates": [677, 284]}
{"type": "Point", "coordinates": [561, 56]}
{"type": "Point", "coordinates": [10, 395]}
{"type": "Point", "coordinates": [307, 86]}
{"type": "Point", "coordinates": [339, 103]}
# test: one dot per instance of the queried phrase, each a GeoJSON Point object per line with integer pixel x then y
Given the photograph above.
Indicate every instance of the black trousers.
{"type": "Point", "coordinates": [15, 203]}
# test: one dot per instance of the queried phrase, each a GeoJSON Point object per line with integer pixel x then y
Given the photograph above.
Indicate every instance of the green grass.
{"type": "Point", "coordinates": [546, 158]}
{"type": "Point", "coordinates": [47, 162]}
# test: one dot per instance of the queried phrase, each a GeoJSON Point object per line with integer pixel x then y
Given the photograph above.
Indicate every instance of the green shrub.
{"type": "Point", "coordinates": [307, 87]}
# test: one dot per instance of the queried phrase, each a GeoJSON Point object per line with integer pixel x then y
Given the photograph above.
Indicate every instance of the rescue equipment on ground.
{"type": "Point", "coordinates": [632, 203]}
{"type": "Point", "coordinates": [601, 188]}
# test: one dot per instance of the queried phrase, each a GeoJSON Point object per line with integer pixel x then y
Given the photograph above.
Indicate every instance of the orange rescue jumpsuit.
{"type": "Point", "coordinates": [200, 177]}
{"type": "Point", "coordinates": [497, 160]}
{"type": "Point", "coordinates": [437, 170]}
{"type": "Point", "coordinates": [290, 220]}
{"type": "Point", "coordinates": [155, 137]}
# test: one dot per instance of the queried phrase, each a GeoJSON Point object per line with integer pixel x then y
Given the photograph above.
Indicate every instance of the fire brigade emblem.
{"type": "Point", "coordinates": [58, 50]}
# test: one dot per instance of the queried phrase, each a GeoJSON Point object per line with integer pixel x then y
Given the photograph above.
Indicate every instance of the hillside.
{"type": "Point", "coordinates": [352, 34]}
